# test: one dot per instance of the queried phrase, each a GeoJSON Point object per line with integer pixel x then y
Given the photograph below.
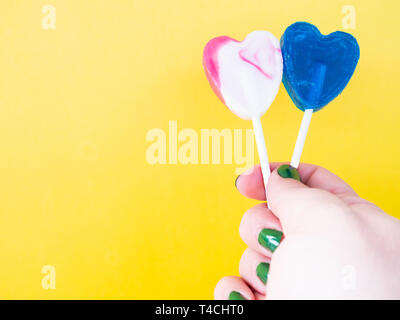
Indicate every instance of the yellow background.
{"type": "Point", "coordinates": [76, 103]}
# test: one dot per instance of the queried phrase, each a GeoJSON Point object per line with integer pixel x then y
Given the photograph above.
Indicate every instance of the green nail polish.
{"type": "Point", "coordinates": [286, 171]}
{"type": "Point", "coordinates": [234, 295]}
{"type": "Point", "coordinates": [270, 238]}
{"type": "Point", "coordinates": [262, 271]}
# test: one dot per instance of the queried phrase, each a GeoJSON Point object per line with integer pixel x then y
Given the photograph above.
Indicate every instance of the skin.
{"type": "Point", "coordinates": [336, 245]}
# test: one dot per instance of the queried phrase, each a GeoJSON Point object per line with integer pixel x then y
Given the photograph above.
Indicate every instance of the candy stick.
{"type": "Point", "coordinates": [314, 95]}
{"type": "Point", "coordinates": [262, 152]}
{"type": "Point", "coordinates": [301, 138]}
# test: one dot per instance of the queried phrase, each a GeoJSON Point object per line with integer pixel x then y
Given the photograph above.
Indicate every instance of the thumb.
{"type": "Point", "coordinates": [298, 206]}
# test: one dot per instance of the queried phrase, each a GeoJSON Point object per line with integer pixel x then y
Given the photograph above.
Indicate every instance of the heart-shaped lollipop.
{"type": "Point", "coordinates": [246, 77]}
{"type": "Point", "coordinates": [316, 69]}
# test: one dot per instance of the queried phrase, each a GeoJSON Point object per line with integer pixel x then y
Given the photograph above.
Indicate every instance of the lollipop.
{"type": "Point", "coordinates": [246, 77]}
{"type": "Point", "coordinates": [316, 69]}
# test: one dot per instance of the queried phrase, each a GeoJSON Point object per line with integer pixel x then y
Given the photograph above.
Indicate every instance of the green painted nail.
{"type": "Point", "coordinates": [262, 271]}
{"type": "Point", "coordinates": [270, 238]}
{"type": "Point", "coordinates": [286, 171]}
{"type": "Point", "coordinates": [234, 295]}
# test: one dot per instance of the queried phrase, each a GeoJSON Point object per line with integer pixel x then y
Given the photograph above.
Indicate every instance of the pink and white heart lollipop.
{"type": "Point", "coordinates": [246, 77]}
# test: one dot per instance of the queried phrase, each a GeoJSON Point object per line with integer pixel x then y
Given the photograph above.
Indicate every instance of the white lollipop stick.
{"type": "Point", "coordinates": [301, 138]}
{"type": "Point", "coordinates": [262, 152]}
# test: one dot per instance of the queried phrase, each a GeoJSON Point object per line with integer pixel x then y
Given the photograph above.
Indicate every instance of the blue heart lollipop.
{"type": "Point", "coordinates": [316, 68]}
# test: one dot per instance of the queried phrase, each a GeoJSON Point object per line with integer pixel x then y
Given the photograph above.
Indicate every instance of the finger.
{"type": "Point", "coordinates": [261, 230]}
{"type": "Point", "coordinates": [254, 269]}
{"type": "Point", "coordinates": [233, 288]}
{"type": "Point", "coordinates": [320, 178]}
{"type": "Point", "coordinates": [251, 184]}
{"type": "Point", "coordinates": [299, 207]}
{"type": "Point", "coordinates": [259, 296]}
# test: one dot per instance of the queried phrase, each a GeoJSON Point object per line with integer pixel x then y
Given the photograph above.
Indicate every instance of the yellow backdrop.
{"type": "Point", "coordinates": [82, 83]}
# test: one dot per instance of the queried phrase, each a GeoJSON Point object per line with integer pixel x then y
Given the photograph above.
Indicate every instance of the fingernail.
{"type": "Point", "coordinates": [270, 238]}
{"type": "Point", "coordinates": [286, 171]}
{"type": "Point", "coordinates": [234, 295]}
{"type": "Point", "coordinates": [236, 181]}
{"type": "Point", "coordinates": [262, 271]}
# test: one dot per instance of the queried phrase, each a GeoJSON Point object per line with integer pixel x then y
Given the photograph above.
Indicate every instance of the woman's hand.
{"type": "Point", "coordinates": [317, 240]}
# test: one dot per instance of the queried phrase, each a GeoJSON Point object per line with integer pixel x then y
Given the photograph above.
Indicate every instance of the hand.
{"type": "Point", "coordinates": [317, 240]}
